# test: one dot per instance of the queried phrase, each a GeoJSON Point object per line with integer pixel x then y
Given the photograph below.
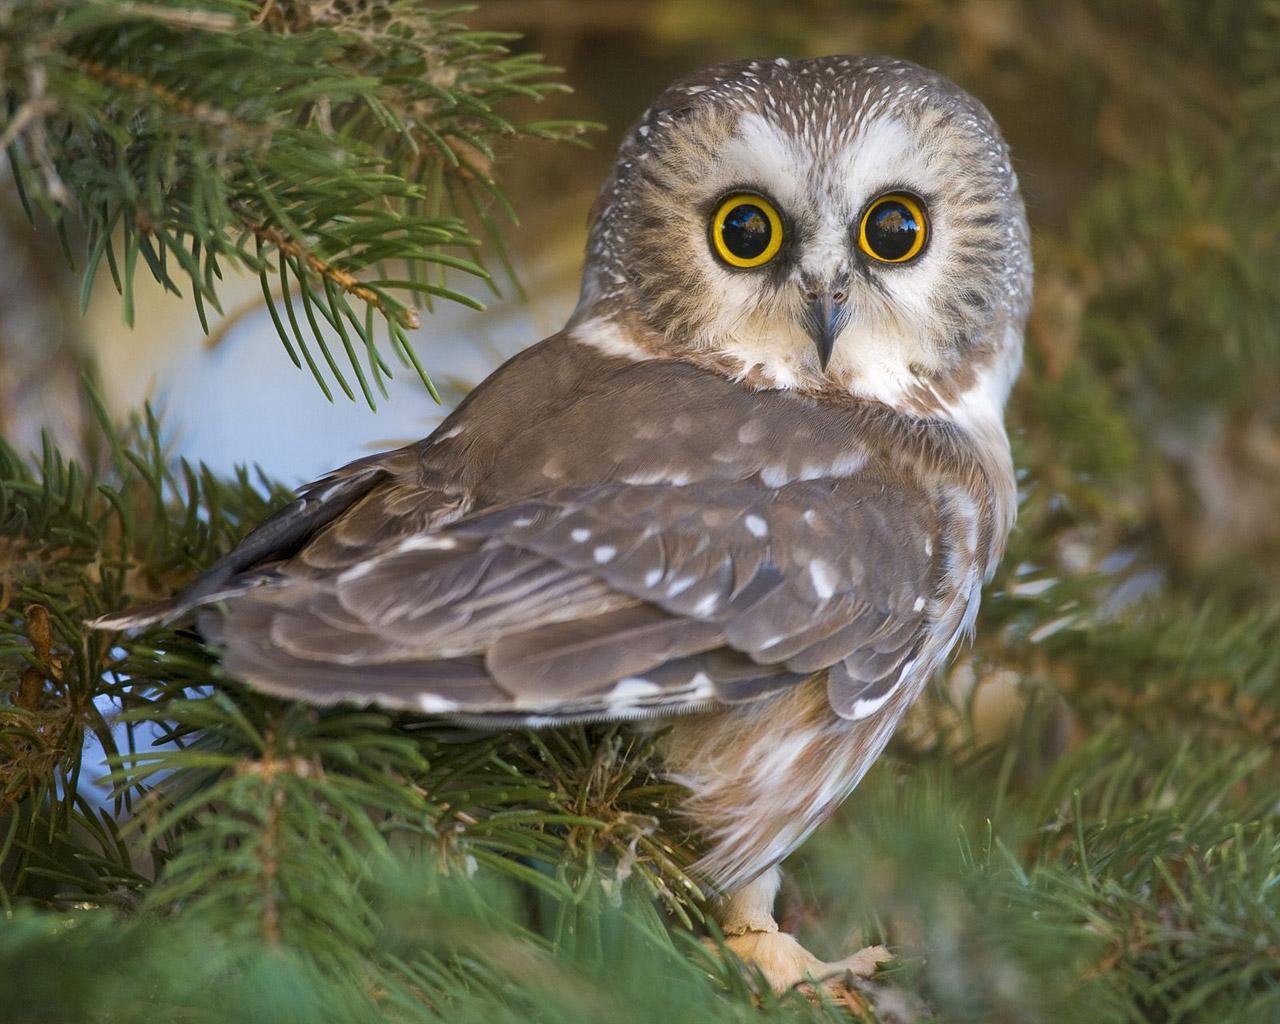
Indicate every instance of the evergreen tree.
{"type": "Point", "coordinates": [1079, 823]}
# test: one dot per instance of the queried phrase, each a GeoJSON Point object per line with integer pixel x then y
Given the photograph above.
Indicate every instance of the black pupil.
{"type": "Point", "coordinates": [746, 231]}
{"type": "Point", "coordinates": [891, 230]}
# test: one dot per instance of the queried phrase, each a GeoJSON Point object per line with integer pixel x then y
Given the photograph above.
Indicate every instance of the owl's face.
{"type": "Point", "coordinates": [842, 221]}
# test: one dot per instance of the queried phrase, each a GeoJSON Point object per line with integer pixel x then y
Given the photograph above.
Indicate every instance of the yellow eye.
{"type": "Point", "coordinates": [893, 229]}
{"type": "Point", "coordinates": [746, 231]}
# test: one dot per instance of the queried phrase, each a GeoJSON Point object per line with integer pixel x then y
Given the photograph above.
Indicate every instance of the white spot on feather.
{"type": "Point", "coordinates": [700, 686]}
{"type": "Point", "coordinates": [847, 463]}
{"type": "Point", "coordinates": [434, 704]}
{"type": "Point", "coordinates": [632, 688]}
{"type": "Point", "coordinates": [604, 553]}
{"type": "Point", "coordinates": [774, 476]}
{"type": "Point", "coordinates": [756, 525]}
{"type": "Point", "coordinates": [657, 476]}
{"type": "Point", "coordinates": [706, 604]}
{"type": "Point", "coordinates": [823, 577]}
{"type": "Point", "coordinates": [579, 534]}
{"type": "Point", "coordinates": [862, 708]}
{"type": "Point", "coordinates": [427, 542]}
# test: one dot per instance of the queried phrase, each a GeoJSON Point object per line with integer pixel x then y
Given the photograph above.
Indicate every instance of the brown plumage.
{"type": "Point", "coordinates": [759, 503]}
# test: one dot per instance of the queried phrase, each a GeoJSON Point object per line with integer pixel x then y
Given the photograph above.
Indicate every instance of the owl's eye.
{"type": "Point", "coordinates": [893, 229]}
{"type": "Point", "coordinates": [746, 231]}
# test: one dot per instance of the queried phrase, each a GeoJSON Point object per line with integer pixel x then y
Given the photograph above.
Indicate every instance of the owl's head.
{"type": "Point", "coordinates": [849, 222]}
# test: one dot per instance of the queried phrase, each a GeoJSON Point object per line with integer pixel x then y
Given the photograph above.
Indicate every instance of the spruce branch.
{"type": "Point", "coordinates": [318, 136]}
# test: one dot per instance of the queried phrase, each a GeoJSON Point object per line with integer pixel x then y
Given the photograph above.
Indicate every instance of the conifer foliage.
{"type": "Point", "coordinates": [1078, 823]}
{"type": "Point", "coordinates": [332, 148]}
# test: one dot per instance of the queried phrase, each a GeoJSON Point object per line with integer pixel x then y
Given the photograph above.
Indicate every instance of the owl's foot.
{"type": "Point", "coordinates": [785, 963]}
{"type": "Point", "coordinates": [752, 935]}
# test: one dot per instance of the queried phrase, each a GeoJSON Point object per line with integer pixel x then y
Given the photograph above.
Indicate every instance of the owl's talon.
{"type": "Point", "coordinates": [862, 964]}
{"type": "Point", "coordinates": [785, 964]}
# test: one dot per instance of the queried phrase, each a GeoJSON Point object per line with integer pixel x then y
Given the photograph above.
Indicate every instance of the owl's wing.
{"type": "Point", "coordinates": [590, 536]}
{"type": "Point", "coordinates": [609, 601]}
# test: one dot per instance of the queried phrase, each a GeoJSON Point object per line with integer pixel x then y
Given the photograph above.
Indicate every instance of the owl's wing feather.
{"type": "Point", "coordinates": [563, 661]}
{"type": "Point", "coordinates": [606, 600]}
{"type": "Point", "coordinates": [544, 555]}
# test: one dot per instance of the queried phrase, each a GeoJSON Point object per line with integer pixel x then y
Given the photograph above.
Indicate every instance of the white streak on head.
{"type": "Point", "coordinates": [763, 153]}
{"type": "Point", "coordinates": [883, 153]}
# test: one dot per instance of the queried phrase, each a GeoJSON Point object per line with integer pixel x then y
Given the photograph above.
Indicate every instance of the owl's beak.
{"type": "Point", "coordinates": [825, 317]}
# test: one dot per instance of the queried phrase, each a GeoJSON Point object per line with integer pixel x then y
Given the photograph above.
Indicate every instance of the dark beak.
{"type": "Point", "coordinates": [825, 317]}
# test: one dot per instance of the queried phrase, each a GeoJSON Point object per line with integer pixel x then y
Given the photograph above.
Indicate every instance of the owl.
{"type": "Point", "coordinates": [752, 489]}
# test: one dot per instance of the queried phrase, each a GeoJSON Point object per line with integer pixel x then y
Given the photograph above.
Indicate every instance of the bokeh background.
{"type": "Point", "coordinates": [1129, 645]}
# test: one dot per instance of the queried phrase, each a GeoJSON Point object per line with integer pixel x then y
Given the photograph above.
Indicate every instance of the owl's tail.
{"type": "Point", "coordinates": [249, 563]}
